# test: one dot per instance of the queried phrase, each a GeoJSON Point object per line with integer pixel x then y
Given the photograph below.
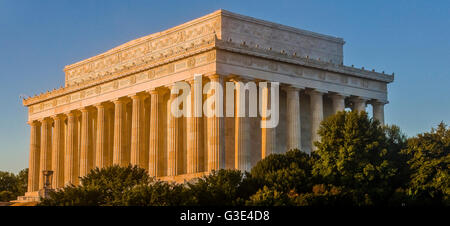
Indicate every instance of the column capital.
{"type": "Point", "coordinates": [84, 109]}
{"type": "Point", "coordinates": [101, 104]}
{"type": "Point", "coordinates": [316, 92]}
{"type": "Point", "coordinates": [359, 99]}
{"type": "Point", "coordinates": [215, 78]}
{"type": "Point", "coordinates": [34, 123]}
{"type": "Point", "coordinates": [139, 95]}
{"type": "Point", "coordinates": [161, 90]}
{"type": "Point", "coordinates": [170, 86]}
{"type": "Point", "coordinates": [338, 95]}
{"type": "Point", "coordinates": [70, 113]}
{"type": "Point", "coordinates": [377, 102]}
{"type": "Point", "coordinates": [292, 88]}
{"type": "Point", "coordinates": [58, 117]}
{"type": "Point", "coordinates": [122, 100]}
{"type": "Point", "coordinates": [192, 79]}
{"type": "Point", "coordinates": [153, 91]}
{"type": "Point", "coordinates": [45, 120]}
{"type": "Point", "coordinates": [238, 78]}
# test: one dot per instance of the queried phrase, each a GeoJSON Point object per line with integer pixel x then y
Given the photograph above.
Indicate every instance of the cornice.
{"type": "Point", "coordinates": [303, 61]}
{"type": "Point", "coordinates": [216, 44]}
{"type": "Point", "coordinates": [198, 44]}
{"type": "Point", "coordinates": [119, 74]}
{"type": "Point", "coordinates": [139, 41]}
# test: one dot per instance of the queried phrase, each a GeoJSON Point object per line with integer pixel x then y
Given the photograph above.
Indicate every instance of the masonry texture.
{"type": "Point", "coordinates": [115, 107]}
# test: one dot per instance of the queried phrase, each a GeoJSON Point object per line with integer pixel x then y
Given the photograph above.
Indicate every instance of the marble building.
{"type": "Point", "coordinates": [114, 107]}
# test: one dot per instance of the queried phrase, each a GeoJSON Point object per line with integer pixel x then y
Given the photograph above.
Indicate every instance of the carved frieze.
{"type": "Point", "coordinates": [150, 48]}
{"type": "Point", "coordinates": [143, 76]}
{"type": "Point", "coordinates": [297, 70]}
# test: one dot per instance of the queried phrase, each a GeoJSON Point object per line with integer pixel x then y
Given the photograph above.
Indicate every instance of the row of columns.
{"type": "Point", "coordinates": [317, 112]}
{"type": "Point", "coordinates": [60, 151]}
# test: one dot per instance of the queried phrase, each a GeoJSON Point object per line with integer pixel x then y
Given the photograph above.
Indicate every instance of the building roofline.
{"type": "Point", "coordinates": [216, 13]}
{"type": "Point", "coordinates": [282, 27]}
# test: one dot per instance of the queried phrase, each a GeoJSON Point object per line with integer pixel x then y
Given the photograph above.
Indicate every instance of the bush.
{"type": "Point", "coordinates": [104, 187]}
{"type": "Point", "coordinates": [224, 187]}
{"type": "Point", "coordinates": [6, 196]}
{"type": "Point", "coordinates": [284, 172]}
{"type": "Point", "coordinates": [357, 163]}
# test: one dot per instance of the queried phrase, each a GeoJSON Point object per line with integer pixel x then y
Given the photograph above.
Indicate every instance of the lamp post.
{"type": "Point", "coordinates": [48, 176]}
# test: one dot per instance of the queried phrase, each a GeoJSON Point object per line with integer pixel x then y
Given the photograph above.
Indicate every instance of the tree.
{"type": "Point", "coordinates": [6, 196]}
{"type": "Point", "coordinates": [278, 176]}
{"type": "Point", "coordinates": [353, 154]}
{"type": "Point", "coordinates": [269, 197]}
{"type": "Point", "coordinates": [429, 162]}
{"type": "Point", "coordinates": [12, 185]}
{"type": "Point", "coordinates": [158, 193]}
{"type": "Point", "coordinates": [324, 195]}
{"type": "Point", "coordinates": [105, 187]}
{"type": "Point", "coordinates": [22, 182]}
{"type": "Point", "coordinates": [284, 172]}
{"type": "Point", "coordinates": [222, 187]}
{"type": "Point", "coordinates": [8, 182]}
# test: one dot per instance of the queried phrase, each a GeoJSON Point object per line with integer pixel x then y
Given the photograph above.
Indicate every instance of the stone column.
{"type": "Point", "coordinates": [316, 98]}
{"type": "Point", "coordinates": [359, 104]}
{"type": "Point", "coordinates": [58, 152]}
{"type": "Point", "coordinates": [100, 148]}
{"type": "Point", "coordinates": [338, 102]}
{"type": "Point", "coordinates": [71, 170]}
{"type": "Point", "coordinates": [268, 135]}
{"type": "Point", "coordinates": [293, 118]}
{"type": "Point", "coordinates": [378, 111]}
{"type": "Point", "coordinates": [216, 131]}
{"type": "Point", "coordinates": [194, 125]}
{"type": "Point", "coordinates": [138, 156]}
{"type": "Point", "coordinates": [86, 155]}
{"type": "Point", "coordinates": [242, 156]}
{"type": "Point", "coordinates": [153, 141]}
{"type": "Point", "coordinates": [173, 137]}
{"type": "Point", "coordinates": [46, 149]}
{"type": "Point", "coordinates": [119, 150]}
{"type": "Point", "coordinates": [34, 161]}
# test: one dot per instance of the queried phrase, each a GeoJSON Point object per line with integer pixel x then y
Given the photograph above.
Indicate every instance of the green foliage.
{"type": "Point", "coordinates": [114, 181]}
{"type": "Point", "coordinates": [12, 185]}
{"type": "Point", "coordinates": [285, 172]}
{"type": "Point", "coordinates": [157, 193]}
{"type": "Point", "coordinates": [357, 163]}
{"type": "Point", "coordinates": [324, 195]}
{"type": "Point", "coordinates": [353, 153]}
{"type": "Point", "coordinates": [75, 196]}
{"type": "Point", "coordinates": [22, 182]}
{"type": "Point", "coordinates": [104, 187]}
{"type": "Point", "coordinates": [429, 158]}
{"type": "Point", "coordinates": [269, 197]}
{"type": "Point", "coordinates": [227, 187]}
{"type": "Point", "coordinates": [6, 196]}
{"type": "Point", "coordinates": [8, 182]}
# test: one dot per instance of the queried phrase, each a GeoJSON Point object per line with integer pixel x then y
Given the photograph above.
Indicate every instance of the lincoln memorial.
{"type": "Point", "coordinates": [114, 108]}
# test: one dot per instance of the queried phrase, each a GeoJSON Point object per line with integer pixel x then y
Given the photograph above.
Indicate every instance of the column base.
{"type": "Point", "coordinates": [34, 196]}
{"type": "Point", "coordinates": [28, 197]}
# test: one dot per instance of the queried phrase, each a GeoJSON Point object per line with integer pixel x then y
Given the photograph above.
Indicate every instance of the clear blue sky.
{"type": "Point", "coordinates": [38, 38]}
